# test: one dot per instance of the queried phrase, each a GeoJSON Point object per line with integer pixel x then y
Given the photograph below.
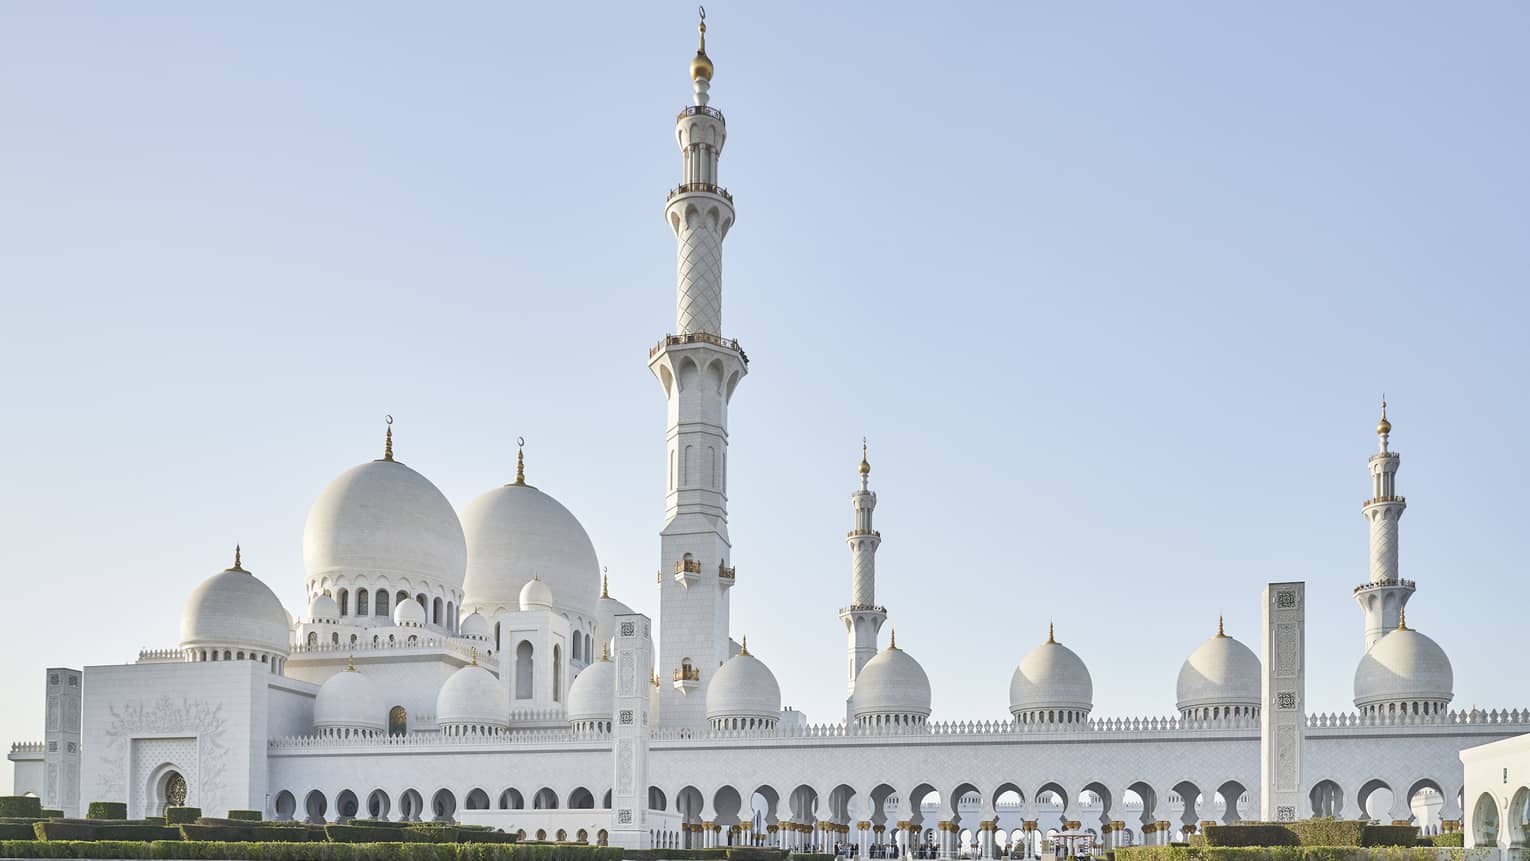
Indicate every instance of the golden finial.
{"type": "Point", "coordinates": [1402, 619]}
{"type": "Point", "coordinates": [388, 440]}
{"type": "Point", "coordinates": [701, 66]}
{"type": "Point", "coordinates": [475, 656]}
{"type": "Point", "coordinates": [237, 565]}
{"type": "Point", "coordinates": [865, 464]}
{"type": "Point", "coordinates": [1220, 632]}
{"type": "Point", "coordinates": [350, 663]}
{"type": "Point", "coordinates": [605, 651]}
{"type": "Point", "coordinates": [520, 461]}
{"type": "Point", "coordinates": [1383, 427]}
{"type": "Point", "coordinates": [894, 642]}
{"type": "Point", "coordinates": [1050, 634]}
{"type": "Point", "coordinates": [743, 648]}
{"type": "Point", "coordinates": [605, 591]}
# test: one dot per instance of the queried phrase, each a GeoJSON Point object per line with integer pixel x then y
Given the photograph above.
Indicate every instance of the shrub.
{"type": "Point", "coordinates": [749, 853]}
{"type": "Point", "coordinates": [154, 820]}
{"type": "Point", "coordinates": [245, 834]}
{"type": "Point", "coordinates": [245, 815]}
{"type": "Point", "coordinates": [21, 807]}
{"type": "Point", "coordinates": [106, 810]}
{"type": "Point", "coordinates": [52, 813]}
{"type": "Point", "coordinates": [1252, 834]}
{"type": "Point", "coordinates": [181, 815]}
{"type": "Point", "coordinates": [85, 829]}
{"type": "Point", "coordinates": [812, 856]}
{"type": "Point", "coordinates": [1453, 840]}
{"type": "Point", "coordinates": [16, 831]}
{"type": "Point", "coordinates": [73, 849]}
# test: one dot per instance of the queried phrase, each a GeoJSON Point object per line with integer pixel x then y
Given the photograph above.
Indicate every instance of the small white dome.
{"type": "Point", "coordinates": [1404, 666]}
{"type": "Point", "coordinates": [1052, 677]}
{"type": "Point", "coordinates": [536, 595]}
{"type": "Point", "coordinates": [593, 694]}
{"type": "Point", "coordinates": [472, 696]}
{"type": "Point", "coordinates": [323, 609]}
{"type": "Point", "coordinates": [384, 519]}
{"type": "Point", "coordinates": [744, 688]}
{"type": "Point", "coordinates": [475, 625]}
{"type": "Point", "coordinates": [1220, 672]}
{"type": "Point", "coordinates": [517, 532]}
{"type": "Point", "coordinates": [233, 608]}
{"type": "Point", "coordinates": [892, 683]}
{"type": "Point", "coordinates": [349, 700]}
{"type": "Point", "coordinates": [409, 614]}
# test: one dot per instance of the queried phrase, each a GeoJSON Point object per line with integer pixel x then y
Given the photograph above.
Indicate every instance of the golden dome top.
{"type": "Point", "coordinates": [865, 464]}
{"type": "Point", "coordinates": [701, 65]}
{"type": "Point", "coordinates": [1383, 427]}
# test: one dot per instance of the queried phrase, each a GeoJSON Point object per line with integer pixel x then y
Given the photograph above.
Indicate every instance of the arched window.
{"type": "Point", "coordinates": [361, 602]}
{"type": "Point", "coordinates": [382, 603]}
{"type": "Point", "coordinates": [313, 641]}
{"type": "Point", "coordinates": [400, 598]}
{"type": "Point", "coordinates": [523, 671]}
{"type": "Point", "coordinates": [589, 648]}
{"type": "Point", "coordinates": [557, 673]}
{"type": "Point", "coordinates": [435, 611]}
{"type": "Point", "coordinates": [335, 638]}
{"type": "Point", "coordinates": [345, 602]}
{"type": "Point", "coordinates": [577, 650]}
{"type": "Point", "coordinates": [451, 617]}
{"type": "Point", "coordinates": [497, 646]}
{"type": "Point", "coordinates": [398, 721]}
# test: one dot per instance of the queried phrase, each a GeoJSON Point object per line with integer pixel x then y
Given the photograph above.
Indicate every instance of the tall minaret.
{"type": "Point", "coordinates": [699, 370]}
{"type": "Point", "coordinates": [863, 618]}
{"type": "Point", "coordinates": [1384, 597]}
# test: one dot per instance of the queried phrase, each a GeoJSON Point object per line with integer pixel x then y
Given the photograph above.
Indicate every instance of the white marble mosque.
{"type": "Point", "coordinates": [472, 665]}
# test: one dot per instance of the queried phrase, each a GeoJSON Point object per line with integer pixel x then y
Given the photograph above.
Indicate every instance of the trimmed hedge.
{"type": "Point", "coordinates": [675, 855]}
{"type": "Point", "coordinates": [813, 856]}
{"type": "Point", "coordinates": [246, 815]}
{"type": "Point", "coordinates": [755, 853]}
{"type": "Point", "coordinates": [248, 834]}
{"type": "Point", "coordinates": [52, 813]}
{"type": "Point", "coordinates": [1455, 839]}
{"type": "Point", "coordinates": [154, 820]}
{"type": "Point", "coordinates": [101, 830]}
{"type": "Point", "coordinates": [182, 815]}
{"type": "Point", "coordinates": [20, 807]}
{"type": "Point", "coordinates": [106, 810]}
{"type": "Point", "coordinates": [1310, 832]}
{"type": "Point", "coordinates": [17, 831]}
{"type": "Point", "coordinates": [307, 851]}
{"type": "Point", "coordinates": [1294, 853]}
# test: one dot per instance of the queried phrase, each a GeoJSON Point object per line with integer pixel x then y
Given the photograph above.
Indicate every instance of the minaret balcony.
{"type": "Point", "coordinates": [1384, 584]}
{"type": "Point", "coordinates": [1382, 499]}
{"type": "Point", "coordinates": [695, 187]}
{"type": "Point", "coordinates": [726, 576]}
{"type": "Point", "coordinates": [687, 571]}
{"type": "Point", "coordinates": [687, 679]}
{"type": "Point", "coordinates": [698, 338]}
{"type": "Point", "coordinates": [704, 110]}
{"type": "Point", "coordinates": [872, 533]}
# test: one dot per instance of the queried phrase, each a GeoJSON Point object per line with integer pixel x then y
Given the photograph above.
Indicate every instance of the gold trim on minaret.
{"type": "Point", "coordinates": [1383, 427]}
{"type": "Point", "coordinates": [388, 440]}
{"type": "Point", "coordinates": [865, 464]}
{"type": "Point", "coordinates": [701, 65]}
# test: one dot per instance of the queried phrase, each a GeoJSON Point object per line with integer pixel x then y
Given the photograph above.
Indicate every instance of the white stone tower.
{"type": "Point", "coordinates": [699, 371]}
{"type": "Point", "coordinates": [629, 731]}
{"type": "Point", "coordinates": [61, 757]}
{"type": "Point", "coordinates": [1383, 598]}
{"type": "Point", "coordinates": [863, 618]}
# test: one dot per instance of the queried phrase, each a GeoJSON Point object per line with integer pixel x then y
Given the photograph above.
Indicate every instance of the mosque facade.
{"type": "Point", "coordinates": [473, 666]}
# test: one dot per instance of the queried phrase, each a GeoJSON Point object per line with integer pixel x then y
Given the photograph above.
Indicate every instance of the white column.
{"type": "Point", "coordinates": [1283, 722]}
{"type": "Point", "coordinates": [629, 731]}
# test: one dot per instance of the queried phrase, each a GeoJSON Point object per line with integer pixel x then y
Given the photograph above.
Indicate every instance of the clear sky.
{"type": "Point", "coordinates": [1114, 290]}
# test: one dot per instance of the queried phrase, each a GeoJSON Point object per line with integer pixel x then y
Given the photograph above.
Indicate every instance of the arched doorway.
{"type": "Point", "coordinates": [398, 721]}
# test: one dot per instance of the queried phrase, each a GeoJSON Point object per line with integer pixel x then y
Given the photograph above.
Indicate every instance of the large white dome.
{"type": "Point", "coordinates": [384, 519]}
{"type": "Point", "coordinates": [593, 694]}
{"type": "Point", "coordinates": [892, 684]}
{"type": "Point", "coordinates": [1051, 678]}
{"type": "Point", "coordinates": [516, 533]}
{"type": "Point", "coordinates": [744, 688]}
{"type": "Point", "coordinates": [233, 608]}
{"type": "Point", "coordinates": [1220, 673]}
{"type": "Point", "coordinates": [1404, 667]}
{"type": "Point", "coordinates": [349, 700]}
{"type": "Point", "coordinates": [472, 697]}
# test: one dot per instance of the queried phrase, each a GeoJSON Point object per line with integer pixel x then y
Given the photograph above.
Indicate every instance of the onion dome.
{"type": "Point", "coordinates": [1383, 427]}
{"type": "Point", "coordinates": [409, 614]}
{"type": "Point", "coordinates": [472, 703]}
{"type": "Point", "coordinates": [892, 690]}
{"type": "Point", "coordinates": [743, 694]}
{"type": "Point", "coordinates": [536, 595]}
{"type": "Point", "coordinates": [383, 519]}
{"type": "Point", "coordinates": [1051, 685]}
{"type": "Point", "coordinates": [1221, 678]}
{"type": "Point", "coordinates": [517, 532]}
{"type": "Point", "coordinates": [234, 610]}
{"type": "Point", "coordinates": [475, 625]}
{"type": "Point", "coordinates": [323, 609]}
{"type": "Point", "coordinates": [592, 696]}
{"type": "Point", "coordinates": [349, 703]}
{"type": "Point", "coordinates": [1404, 671]}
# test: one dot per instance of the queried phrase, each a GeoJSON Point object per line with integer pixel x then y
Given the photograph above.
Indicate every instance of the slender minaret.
{"type": "Point", "coordinates": [1383, 598]}
{"type": "Point", "coordinates": [863, 618]}
{"type": "Point", "coordinates": [699, 371]}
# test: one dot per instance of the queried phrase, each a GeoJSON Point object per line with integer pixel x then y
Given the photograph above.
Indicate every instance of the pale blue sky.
{"type": "Point", "coordinates": [1113, 288]}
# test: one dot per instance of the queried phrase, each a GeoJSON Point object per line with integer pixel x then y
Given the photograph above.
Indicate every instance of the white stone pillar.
{"type": "Point", "coordinates": [629, 732]}
{"type": "Point", "coordinates": [1283, 722]}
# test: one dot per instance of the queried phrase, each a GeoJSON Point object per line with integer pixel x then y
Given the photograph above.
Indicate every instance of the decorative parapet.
{"type": "Point", "coordinates": [27, 748]}
{"type": "Point", "coordinates": [415, 740]}
{"type": "Point", "coordinates": [698, 338]}
{"type": "Point", "coordinates": [1462, 717]}
{"type": "Point", "coordinates": [160, 656]}
{"type": "Point", "coordinates": [466, 651]}
{"type": "Point", "coordinates": [1398, 582]}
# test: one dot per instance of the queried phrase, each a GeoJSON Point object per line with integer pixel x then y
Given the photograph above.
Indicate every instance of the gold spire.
{"type": "Point", "coordinates": [865, 464]}
{"type": "Point", "coordinates": [743, 648]}
{"type": "Point", "coordinates": [894, 643]}
{"type": "Point", "coordinates": [605, 591]}
{"type": "Point", "coordinates": [701, 66]}
{"type": "Point", "coordinates": [1050, 637]}
{"type": "Point", "coordinates": [350, 663]}
{"type": "Point", "coordinates": [388, 441]}
{"type": "Point", "coordinates": [520, 461]}
{"type": "Point", "coordinates": [1220, 632]}
{"type": "Point", "coordinates": [237, 565]}
{"type": "Point", "coordinates": [1402, 619]}
{"type": "Point", "coordinates": [475, 656]}
{"type": "Point", "coordinates": [1383, 427]}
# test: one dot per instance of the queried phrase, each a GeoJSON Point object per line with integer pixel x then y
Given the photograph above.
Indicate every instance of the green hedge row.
{"type": "Point", "coordinates": [1310, 832]}
{"type": "Point", "coordinates": [106, 810]}
{"type": "Point", "coordinates": [813, 856]}
{"type": "Point", "coordinates": [720, 854]}
{"type": "Point", "coordinates": [89, 829]}
{"type": "Point", "coordinates": [20, 807]}
{"type": "Point", "coordinates": [1455, 839]}
{"type": "Point", "coordinates": [249, 834]}
{"type": "Point", "coordinates": [306, 851]}
{"type": "Point", "coordinates": [755, 853]}
{"type": "Point", "coordinates": [182, 815]}
{"type": "Point", "coordinates": [245, 815]}
{"type": "Point", "coordinates": [1294, 853]}
{"type": "Point", "coordinates": [17, 831]}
